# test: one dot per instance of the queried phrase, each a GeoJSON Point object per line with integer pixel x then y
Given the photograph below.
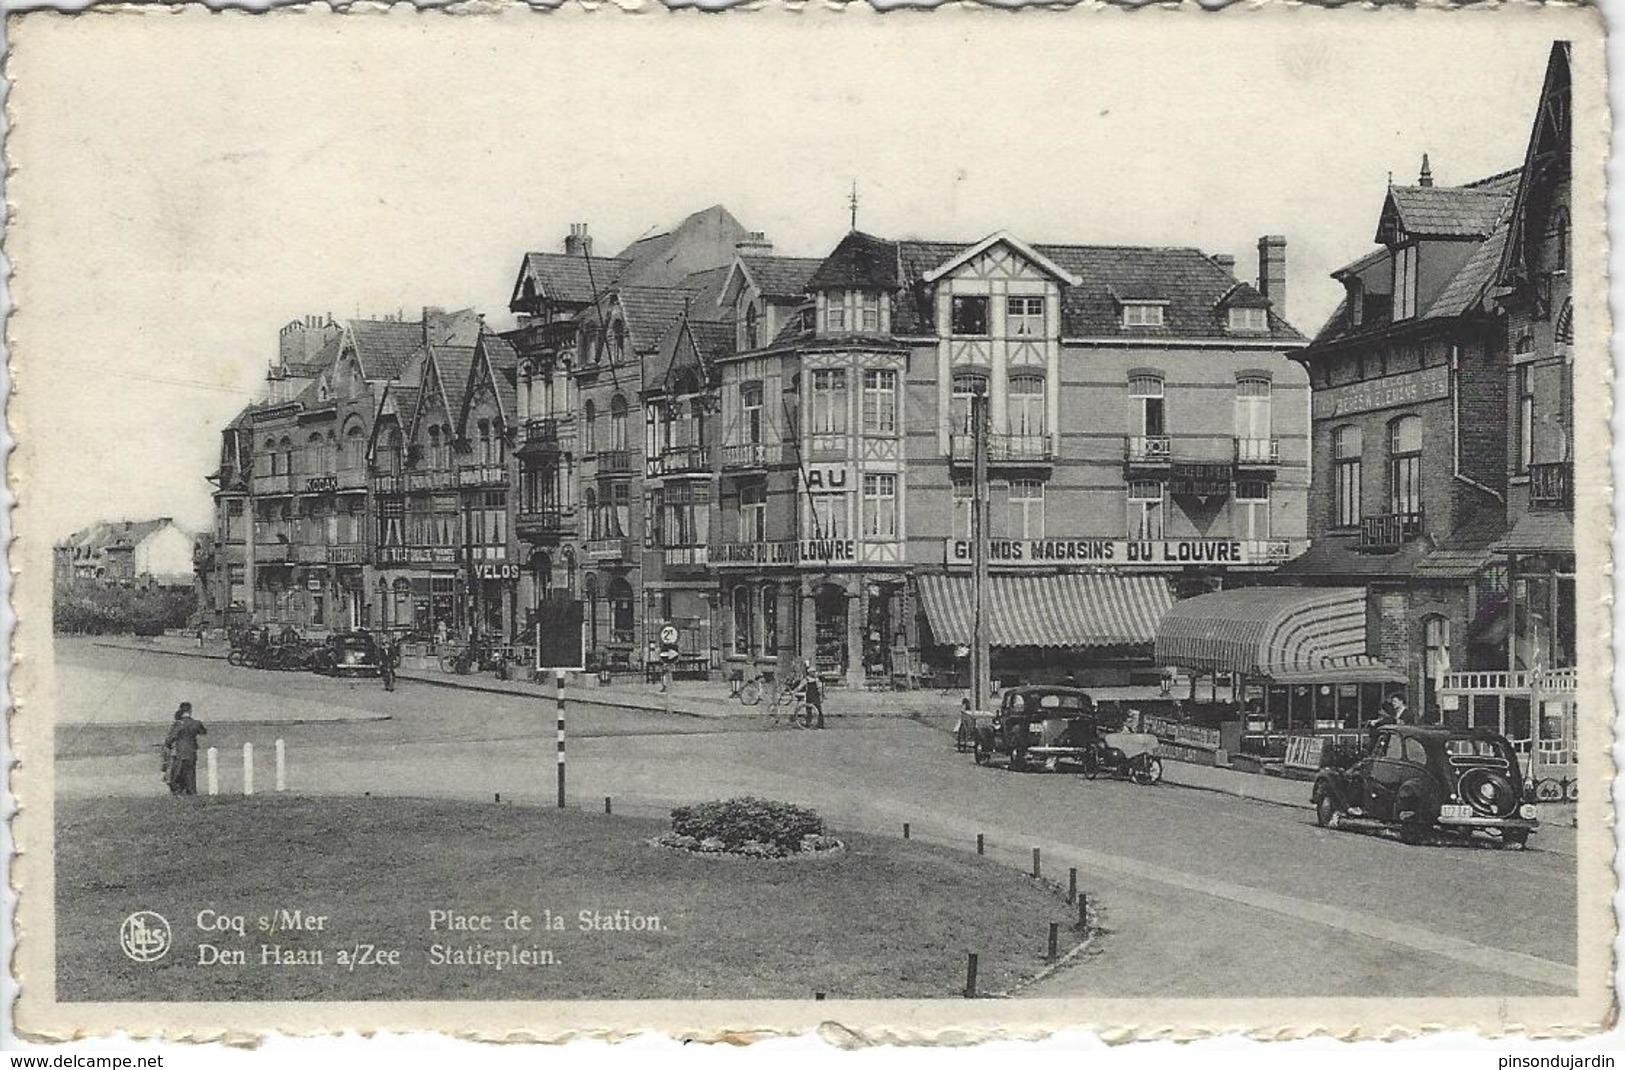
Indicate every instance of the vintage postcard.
{"type": "Point", "coordinates": [946, 524]}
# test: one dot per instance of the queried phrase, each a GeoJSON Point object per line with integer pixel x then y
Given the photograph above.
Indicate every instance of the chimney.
{"type": "Point", "coordinates": [578, 242]}
{"type": "Point", "coordinates": [755, 244]}
{"type": "Point", "coordinates": [1225, 261]}
{"type": "Point", "coordinates": [1426, 177]}
{"type": "Point", "coordinates": [1272, 271]}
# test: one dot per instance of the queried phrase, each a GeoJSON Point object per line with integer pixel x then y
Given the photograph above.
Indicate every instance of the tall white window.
{"type": "Point", "coordinates": [750, 412]}
{"type": "Point", "coordinates": [1405, 465]}
{"type": "Point", "coordinates": [835, 312]}
{"type": "Point", "coordinates": [1025, 410]}
{"type": "Point", "coordinates": [880, 402]}
{"type": "Point", "coordinates": [966, 385]}
{"type": "Point", "coordinates": [1405, 282]}
{"type": "Point", "coordinates": [1145, 510]}
{"type": "Point", "coordinates": [753, 513]}
{"type": "Point", "coordinates": [1024, 317]}
{"type": "Point", "coordinates": [828, 516]}
{"type": "Point", "coordinates": [963, 502]}
{"type": "Point", "coordinates": [1526, 417]}
{"type": "Point", "coordinates": [1250, 510]}
{"type": "Point", "coordinates": [880, 505]}
{"type": "Point", "coordinates": [828, 401]}
{"type": "Point", "coordinates": [1348, 448]}
{"type": "Point", "coordinates": [1026, 509]}
{"type": "Point", "coordinates": [869, 313]}
{"type": "Point", "coordinates": [1253, 441]}
{"type": "Point", "coordinates": [1147, 422]}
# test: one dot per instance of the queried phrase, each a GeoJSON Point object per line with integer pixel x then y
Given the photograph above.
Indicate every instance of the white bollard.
{"type": "Point", "coordinates": [281, 767]}
{"type": "Point", "coordinates": [248, 768]}
{"type": "Point", "coordinates": [214, 771]}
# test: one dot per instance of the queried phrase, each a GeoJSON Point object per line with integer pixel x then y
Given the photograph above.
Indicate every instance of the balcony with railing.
{"type": "Point", "coordinates": [1551, 486]}
{"type": "Point", "coordinates": [617, 548]}
{"type": "Point", "coordinates": [310, 553]}
{"type": "Point", "coordinates": [542, 523]}
{"type": "Point", "coordinates": [346, 553]}
{"type": "Point", "coordinates": [1003, 449]}
{"type": "Point", "coordinates": [615, 462]}
{"type": "Point", "coordinates": [1387, 532]}
{"type": "Point", "coordinates": [540, 436]}
{"type": "Point", "coordinates": [749, 455]}
{"type": "Point", "coordinates": [1258, 451]}
{"type": "Point", "coordinates": [681, 460]}
{"type": "Point", "coordinates": [482, 475]}
{"type": "Point", "coordinates": [270, 553]}
{"type": "Point", "coordinates": [432, 479]}
{"type": "Point", "coordinates": [685, 556]}
{"type": "Point", "coordinates": [1156, 450]}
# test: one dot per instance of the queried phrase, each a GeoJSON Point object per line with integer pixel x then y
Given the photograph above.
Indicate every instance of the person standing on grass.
{"type": "Point", "coordinates": [181, 743]}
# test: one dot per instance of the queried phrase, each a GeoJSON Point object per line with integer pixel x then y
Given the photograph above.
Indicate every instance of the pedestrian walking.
{"type": "Point", "coordinates": [812, 694]}
{"type": "Point", "coordinates": [389, 655]}
{"type": "Point", "coordinates": [181, 746]}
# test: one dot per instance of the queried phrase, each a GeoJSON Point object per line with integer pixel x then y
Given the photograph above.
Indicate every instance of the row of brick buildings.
{"type": "Point", "coordinates": [771, 453]}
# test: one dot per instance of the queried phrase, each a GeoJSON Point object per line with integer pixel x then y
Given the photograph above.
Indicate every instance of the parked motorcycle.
{"type": "Point", "coordinates": [1126, 755]}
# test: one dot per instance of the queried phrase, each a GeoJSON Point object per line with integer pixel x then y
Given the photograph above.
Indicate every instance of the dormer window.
{"type": "Point", "coordinates": [835, 315]}
{"type": "Point", "coordinates": [1405, 282]}
{"type": "Point", "coordinates": [970, 316]}
{"type": "Point", "coordinates": [1249, 319]}
{"type": "Point", "coordinates": [1143, 313]}
{"type": "Point", "coordinates": [868, 313]}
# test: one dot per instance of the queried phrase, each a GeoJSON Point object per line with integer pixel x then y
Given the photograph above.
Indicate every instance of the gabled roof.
{"type": "Point", "coordinates": [1028, 252]}
{"type": "Point", "coordinates": [496, 360]}
{"type": "Point", "coordinates": [451, 366]}
{"type": "Point", "coordinates": [1470, 284]}
{"type": "Point", "coordinates": [573, 280]}
{"type": "Point", "coordinates": [1439, 212]}
{"type": "Point", "coordinates": [1242, 295]}
{"type": "Point", "coordinates": [383, 346]}
{"type": "Point", "coordinates": [779, 278]}
{"type": "Point", "coordinates": [1548, 136]}
{"type": "Point", "coordinates": [687, 343]}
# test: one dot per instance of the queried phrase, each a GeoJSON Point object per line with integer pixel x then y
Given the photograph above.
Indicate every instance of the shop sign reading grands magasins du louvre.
{"type": "Point", "coordinates": [1048, 553]}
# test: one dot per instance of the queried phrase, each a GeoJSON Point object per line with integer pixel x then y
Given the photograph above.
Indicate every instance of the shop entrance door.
{"type": "Point", "coordinates": [830, 629]}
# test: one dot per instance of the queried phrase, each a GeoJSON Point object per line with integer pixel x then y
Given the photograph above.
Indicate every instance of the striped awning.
{"type": "Point", "coordinates": [1067, 610]}
{"type": "Point", "coordinates": [1289, 634]}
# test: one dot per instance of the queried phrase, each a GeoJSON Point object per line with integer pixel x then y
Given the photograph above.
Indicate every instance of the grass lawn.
{"type": "Point", "coordinates": [886, 918]}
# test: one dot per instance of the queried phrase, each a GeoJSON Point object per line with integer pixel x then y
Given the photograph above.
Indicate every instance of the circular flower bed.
{"type": "Point", "coordinates": [748, 828]}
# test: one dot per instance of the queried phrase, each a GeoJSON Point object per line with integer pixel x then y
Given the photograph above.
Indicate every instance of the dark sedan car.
{"type": "Point", "coordinates": [350, 654]}
{"type": "Point", "coordinates": [1036, 726]}
{"type": "Point", "coordinates": [1430, 779]}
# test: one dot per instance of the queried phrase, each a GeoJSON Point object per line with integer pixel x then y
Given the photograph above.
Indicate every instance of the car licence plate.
{"type": "Point", "coordinates": [1456, 810]}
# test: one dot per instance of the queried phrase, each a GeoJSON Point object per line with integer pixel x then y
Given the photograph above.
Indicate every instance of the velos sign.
{"type": "Point", "coordinates": [490, 571]}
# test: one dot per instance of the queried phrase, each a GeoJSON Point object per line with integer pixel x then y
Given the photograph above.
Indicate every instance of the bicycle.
{"type": "Point", "coordinates": [747, 691]}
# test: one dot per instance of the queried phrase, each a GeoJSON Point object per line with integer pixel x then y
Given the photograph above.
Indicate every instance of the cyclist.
{"type": "Point", "coordinates": [812, 695]}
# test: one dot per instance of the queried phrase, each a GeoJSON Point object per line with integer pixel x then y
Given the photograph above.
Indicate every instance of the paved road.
{"type": "Point", "coordinates": [1199, 894]}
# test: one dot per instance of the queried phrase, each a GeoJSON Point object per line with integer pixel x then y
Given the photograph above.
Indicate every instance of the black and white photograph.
{"type": "Point", "coordinates": [932, 522]}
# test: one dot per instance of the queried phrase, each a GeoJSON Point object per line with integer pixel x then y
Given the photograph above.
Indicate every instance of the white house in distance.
{"type": "Point", "coordinates": [122, 551]}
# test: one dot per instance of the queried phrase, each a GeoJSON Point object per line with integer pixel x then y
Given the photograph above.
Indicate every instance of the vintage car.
{"type": "Point", "coordinates": [349, 654]}
{"type": "Point", "coordinates": [1037, 726]}
{"type": "Point", "coordinates": [1424, 780]}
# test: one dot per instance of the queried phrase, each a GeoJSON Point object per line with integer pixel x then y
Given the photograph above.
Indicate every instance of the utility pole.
{"type": "Point", "coordinates": [980, 655]}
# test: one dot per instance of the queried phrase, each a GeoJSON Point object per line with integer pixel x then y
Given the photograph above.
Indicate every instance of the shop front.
{"type": "Point", "coordinates": [1295, 660]}
{"type": "Point", "coordinates": [1093, 628]}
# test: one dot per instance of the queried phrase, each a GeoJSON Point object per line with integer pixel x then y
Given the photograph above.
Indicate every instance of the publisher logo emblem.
{"type": "Point", "coordinates": [144, 936]}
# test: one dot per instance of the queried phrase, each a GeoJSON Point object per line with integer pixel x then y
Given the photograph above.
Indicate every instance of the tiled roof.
{"type": "Point", "coordinates": [566, 278]}
{"type": "Point", "coordinates": [384, 346]}
{"type": "Point", "coordinates": [860, 261]}
{"type": "Point", "coordinates": [453, 364]}
{"type": "Point", "coordinates": [1542, 532]}
{"type": "Point", "coordinates": [1446, 211]}
{"type": "Point", "coordinates": [504, 361]}
{"type": "Point", "coordinates": [1468, 286]}
{"type": "Point", "coordinates": [406, 401]}
{"type": "Point", "coordinates": [649, 310]}
{"type": "Point", "coordinates": [708, 287]}
{"type": "Point", "coordinates": [781, 277]}
{"type": "Point", "coordinates": [1337, 558]}
{"type": "Point", "coordinates": [1241, 295]}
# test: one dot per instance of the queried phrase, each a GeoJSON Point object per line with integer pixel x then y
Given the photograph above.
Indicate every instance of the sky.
{"type": "Point", "coordinates": [186, 184]}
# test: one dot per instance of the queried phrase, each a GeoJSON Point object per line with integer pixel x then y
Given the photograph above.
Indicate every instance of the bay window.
{"type": "Point", "coordinates": [828, 401]}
